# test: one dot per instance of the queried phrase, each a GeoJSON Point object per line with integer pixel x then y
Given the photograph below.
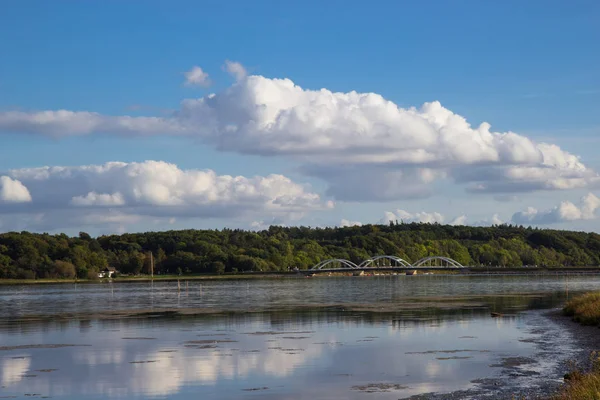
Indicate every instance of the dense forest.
{"type": "Point", "coordinates": [29, 256]}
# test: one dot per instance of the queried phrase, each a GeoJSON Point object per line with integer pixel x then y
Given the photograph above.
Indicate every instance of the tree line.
{"type": "Point", "coordinates": [25, 255]}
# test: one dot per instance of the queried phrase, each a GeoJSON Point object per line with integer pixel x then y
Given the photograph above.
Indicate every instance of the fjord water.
{"type": "Point", "coordinates": [333, 338]}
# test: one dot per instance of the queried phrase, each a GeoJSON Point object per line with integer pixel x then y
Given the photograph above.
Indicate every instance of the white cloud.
{"type": "Point", "coordinates": [461, 220]}
{"type": "Point", "coordinates": [196, 77]}
{"type": "Point", "coordinates": [343, 138]}
{"type": "Point", "coordinates": [264, 225]}
{"type": "Point", "coordinates": [259, 225]}
{"type": "Point", "coordinates": [99, 199]}
{"type": "Point", "coordinates": [13, 191]}
{"type": "Point", "coordinates": [236, 70]}
{"type": "Point", "coordinates": [566, 211]}
{"type": "Point", "coordinates": [121, 193]}
{"type": "Point", "coordinates": [344, 223]}
{"type": "Point", "coordinates": [62, 123]}
{"type": "Point", "coordinates": [434, 217]}
{"type": "Point", "coordinates": [494, 220]}
{"type": "Point", "coordinates": [406, 217]}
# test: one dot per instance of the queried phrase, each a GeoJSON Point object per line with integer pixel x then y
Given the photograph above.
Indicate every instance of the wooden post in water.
{"type": "Point", "coordinates": [178, 286]}
{"type": "Point", "coordinates": [151, 265]}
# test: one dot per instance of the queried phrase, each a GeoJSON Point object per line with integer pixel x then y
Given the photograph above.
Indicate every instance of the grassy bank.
{"type": "Point", "coordinates": [584, 309]}
{"type": "Point", "coordinates": [583, 386]}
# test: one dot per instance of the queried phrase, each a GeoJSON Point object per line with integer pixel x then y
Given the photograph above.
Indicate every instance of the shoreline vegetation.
{"type": "Point", "coordinates": [584, 385]}
{"type": "Point", "coordinates": [25, 255]}
{"type": "Point", "coordinates": [584, 309]}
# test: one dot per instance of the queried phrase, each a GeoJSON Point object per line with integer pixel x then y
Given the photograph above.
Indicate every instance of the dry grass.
{"type": "Point", "coordinates": [582, 386]}
{"type": "Point", "coordinates": [585, 309]}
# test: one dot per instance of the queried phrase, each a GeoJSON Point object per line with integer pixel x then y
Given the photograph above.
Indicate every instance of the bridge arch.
{"type": "Point", "coordinates": [398, 260]}
{"type": "Point", "coordinates": [341, 261]}
{"type": "Point", "coordinates": [427, 262]}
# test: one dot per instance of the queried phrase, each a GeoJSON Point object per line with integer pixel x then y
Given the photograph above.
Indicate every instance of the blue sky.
{"type": "Point", "coordinates": [526, 67]}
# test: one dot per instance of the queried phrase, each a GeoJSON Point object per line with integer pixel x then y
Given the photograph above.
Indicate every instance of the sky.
{"type": "Point", "coordinates": [139, 116]}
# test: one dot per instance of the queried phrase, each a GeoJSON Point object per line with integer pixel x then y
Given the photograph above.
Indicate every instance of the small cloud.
{"type": "Point", "coordinates": [236, 70]}
{"type": "Point", "coordinates": [13, 191]}
{"type": "Point", "coordinates": [99, 199]}
{"type": "Point", "coordinates": [495, 220]}
{"type": "Point", "coordinates": [346, 223]}
{"type": "Point", "coordinates": [259, 225]}
{"type": "Point", "coordinates": [462, 220]}
{"type": "Point", "coordinates": [405, 216]}
{"type": "Point", "coordinates": [196, 77]}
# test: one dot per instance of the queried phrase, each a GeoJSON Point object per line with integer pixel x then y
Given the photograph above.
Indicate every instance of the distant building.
{"type": "Point", "coordinates": [107, 272]}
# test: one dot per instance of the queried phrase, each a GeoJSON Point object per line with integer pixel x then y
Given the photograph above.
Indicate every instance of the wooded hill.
{"type": "Point", "coordinates": [28, 256]}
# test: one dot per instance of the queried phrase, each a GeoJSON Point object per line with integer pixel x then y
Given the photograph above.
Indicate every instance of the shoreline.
{"type": "Point", "coordinates": [587, 337]}
{"type": "Point", "coordinates": [166, 278]}
{"type": "Point", "coordinates": [298, 275]}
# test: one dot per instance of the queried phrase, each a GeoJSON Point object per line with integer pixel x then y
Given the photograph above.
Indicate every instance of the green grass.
{"type": "Point", "coordinates": [585, 309]}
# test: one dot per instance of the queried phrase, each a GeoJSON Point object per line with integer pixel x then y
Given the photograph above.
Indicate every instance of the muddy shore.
{"type": "Point", "coordinates": [566, 342]}
{"type": "Point", "coordinates": [586, 338]}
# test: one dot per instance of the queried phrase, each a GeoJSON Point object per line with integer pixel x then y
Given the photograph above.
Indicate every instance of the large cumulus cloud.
{"type": "Point", "coordinates": [339, 137]}
{"type": "Point", "coordinates": [118, 192]}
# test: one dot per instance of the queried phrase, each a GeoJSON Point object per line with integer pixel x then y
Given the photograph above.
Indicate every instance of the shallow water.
{"type": "Point", "coordinates": [243, 295]}
{"type": "Point", "coordinates": [418, 335]}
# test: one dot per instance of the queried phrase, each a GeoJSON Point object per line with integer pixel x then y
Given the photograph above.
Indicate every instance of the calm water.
{"type": "Point", "coordinates": [376, 337]}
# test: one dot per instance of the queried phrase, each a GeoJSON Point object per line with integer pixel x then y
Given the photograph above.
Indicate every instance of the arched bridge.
{"type": "Point", "coordinates": [436, 262]}
{"type": "Point", "coordinates": [376, 261]}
